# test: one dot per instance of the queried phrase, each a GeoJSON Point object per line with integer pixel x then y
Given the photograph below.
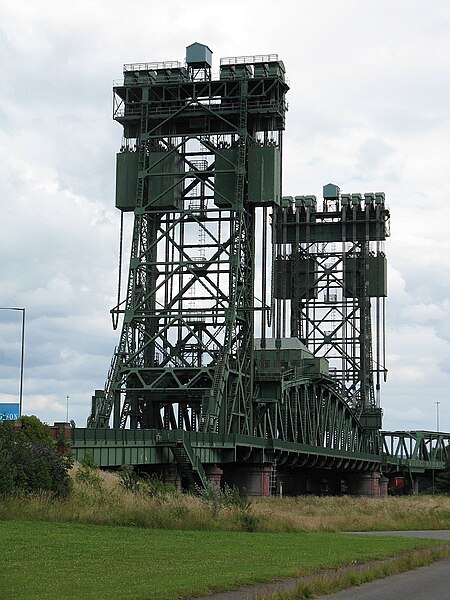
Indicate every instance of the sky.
{"type": "Point", "coordinates": [368, 110]}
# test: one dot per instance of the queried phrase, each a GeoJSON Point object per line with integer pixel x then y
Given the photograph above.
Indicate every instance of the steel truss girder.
{"type": "Point", "coordinates": [333, 323]}
{"type": "Point", "coordinates": [143, 447]}
{"type": "Point", "coordinates": [415, 449]}
{"type": "Point", "coordinates": [198, 354]}
{"type": "Point", "coordinates": [194, 99]}
{"type": "Point", "coordinates": [222, 313]}
{"type": "Point", "coordinates": [313, 412]}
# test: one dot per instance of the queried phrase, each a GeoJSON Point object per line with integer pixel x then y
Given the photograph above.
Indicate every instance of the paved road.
{"type": "Point", "coordinates": [442, 534]}
{"type": "Point", "coordinates": [423, 583]}
{"type": "Point", "coordinates": [420, 584]}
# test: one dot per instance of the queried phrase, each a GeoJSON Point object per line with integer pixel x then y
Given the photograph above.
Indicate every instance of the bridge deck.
{"type": "Point", "coordinates": [415, 451]}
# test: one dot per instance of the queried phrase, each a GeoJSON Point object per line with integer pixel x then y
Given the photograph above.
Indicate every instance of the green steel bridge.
{"type": "Point", "coordinates": [410, 454]}
{"type": "Point", "coordinates": [252, 346]}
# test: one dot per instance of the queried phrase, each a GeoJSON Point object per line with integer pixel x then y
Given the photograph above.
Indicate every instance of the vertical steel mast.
{"type": "Point", "coordinates": [199, 157]}
{"type": "Point", "coordinates": [336, 255]}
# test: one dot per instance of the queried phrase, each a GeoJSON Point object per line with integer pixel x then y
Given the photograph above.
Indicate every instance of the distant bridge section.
{"type": "Point", "coordinates": [415, 451]}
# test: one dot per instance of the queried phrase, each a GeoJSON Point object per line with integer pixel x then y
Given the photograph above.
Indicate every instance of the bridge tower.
{"type": "Point", "coordinates": [329, 265]}
{"type": "Point", "coordinates": [199, 167]}
{"type": "Point", "coordinates": [240, 356]}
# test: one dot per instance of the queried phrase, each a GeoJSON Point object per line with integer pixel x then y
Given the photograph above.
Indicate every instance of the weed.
{"type": "Point", "coordinates": [129, 479]}
{"type": "Point", "coordinates": [103, 497]}
{"type": "Point", "coordinates": [155, 487]}
{"type": "Point", "coordinates": [248, 521]}
{"type": "Point", "coordinates": [88, 473]}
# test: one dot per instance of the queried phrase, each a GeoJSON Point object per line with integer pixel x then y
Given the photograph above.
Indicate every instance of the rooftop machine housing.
{"type": "Point", "coordinates": [198, 56]}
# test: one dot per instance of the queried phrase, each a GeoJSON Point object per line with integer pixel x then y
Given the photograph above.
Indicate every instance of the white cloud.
{"type": "Point", "coordinates": [369, 101]}
{"type": "Point", "coordinates": [36, 403]}
{"type": "Point", "coordinates": [423, 313]}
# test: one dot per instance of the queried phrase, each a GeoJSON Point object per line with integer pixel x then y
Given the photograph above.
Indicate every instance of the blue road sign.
{"type": "Point", "coordinates": [9, 412]}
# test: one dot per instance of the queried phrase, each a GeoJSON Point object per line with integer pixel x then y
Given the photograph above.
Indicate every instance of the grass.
{"type": "Point", "coordinates": [348, 513]}
{"type": "Point", "coordinates": [109, 504]}
{"type": "Point", "coordinates": [346, 577]}
{"type": "Point", "coordinates": [45, 560]}
{"type": "Point", "coordinates": [109, 542]}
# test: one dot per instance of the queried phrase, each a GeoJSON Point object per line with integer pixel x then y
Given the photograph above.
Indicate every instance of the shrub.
{"type": "Point", "coordinates": [233, 496]}
{"type": "Point", "coordinates": [233, 499]}
{"type": "Point", "coordinates": [30, 462]}
{"type": "Point", "coordinates": [156, 487]}
{"type": "Point", "coordinates": [36, 431]}
{"type": "Point", "coordinates": [129, 479]}
{"type": "Point", "coordinates": [152, 485]}
{"type": "Point", "coordinates": [248, 521]}
{"type": "Point", "coordinates": [88, 472]}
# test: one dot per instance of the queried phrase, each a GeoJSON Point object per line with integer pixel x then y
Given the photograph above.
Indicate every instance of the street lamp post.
{"type": "Point", "coordinates": [437, 415]}
{"type": "Point", "coordinates": [22, 353]}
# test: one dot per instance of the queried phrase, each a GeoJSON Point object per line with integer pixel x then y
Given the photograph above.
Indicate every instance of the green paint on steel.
{"type": "Point", "coordinates": [200, 169]}
{"type": "Point", "coordinates": [121, 446]}
{"type": "Point", "coordinates": [416, 450]}
{"type": "Point", "coordinates": [194, 149]}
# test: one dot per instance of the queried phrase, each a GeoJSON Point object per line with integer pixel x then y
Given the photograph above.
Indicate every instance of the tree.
{"type": "Point", "coordinates": [30, 461]}
{"type": "Point", "coordinates": [36, 431]}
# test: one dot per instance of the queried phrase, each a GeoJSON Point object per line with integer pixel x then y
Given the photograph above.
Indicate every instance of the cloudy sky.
{"type": "Point", "coordinates": [368, 110]}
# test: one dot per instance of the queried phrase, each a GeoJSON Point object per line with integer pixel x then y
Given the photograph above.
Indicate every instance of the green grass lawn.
{"type": "Point", "coordinates": [40, 560]}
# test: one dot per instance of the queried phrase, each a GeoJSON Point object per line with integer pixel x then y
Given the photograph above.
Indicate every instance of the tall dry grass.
{"type": "Point", "coordinates": [103, 500]}
{"type": "Point", "coordinates": [349, 513]}
{"type": "Point", "coordinates": [106, 502]}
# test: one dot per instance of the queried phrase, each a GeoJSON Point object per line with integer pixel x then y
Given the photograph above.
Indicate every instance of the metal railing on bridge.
{"type": "Point", "coordinates": [417, 450]}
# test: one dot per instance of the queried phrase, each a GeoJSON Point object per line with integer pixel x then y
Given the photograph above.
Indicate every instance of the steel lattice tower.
{"type": "Point", "coordinates": [241, 359]}
{"type": "Point", "coordinates": [199, 166]}
{"type": "Point", "coordinates": [330, 264]}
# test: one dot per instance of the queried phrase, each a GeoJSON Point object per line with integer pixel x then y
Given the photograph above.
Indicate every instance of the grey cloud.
{"type": "Point", "coordinates": [368, 111]}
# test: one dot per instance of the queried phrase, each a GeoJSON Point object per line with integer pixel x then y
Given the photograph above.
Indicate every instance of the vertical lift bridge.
{"type": "Point", "coordinates": [246, 350]}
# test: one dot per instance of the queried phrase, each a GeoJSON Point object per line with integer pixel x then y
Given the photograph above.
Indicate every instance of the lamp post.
{"type": "Point", "coordinates": [22, 354]}
{"type": "Point", "coordinates": [437, 415]}
{"type": "Point", "coordinates": [67, 409]}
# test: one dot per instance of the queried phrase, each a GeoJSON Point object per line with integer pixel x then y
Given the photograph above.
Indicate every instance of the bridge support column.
{"type": "Point", "coordinates": [384, 481]}
{"type": "Point", "coordinates": [366, 484]}
{"type": "Point", "coordinates": [253, 479]}
{"type": "Point", "coordinates": [214, 475]}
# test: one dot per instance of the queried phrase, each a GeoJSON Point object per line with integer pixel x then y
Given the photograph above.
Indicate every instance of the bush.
{"type": "Point", "coordinates": [129, 479]}
{"type": "Point", "coordinates": [248, 521]}
{"type": "Point", "coordinates": [233, 499]}
{"type": "Point", "coordinates": [152, 485]}
{"type": "Point", "coordinates": [88, 472]}
{"type": "Point", "coordinates": [155, 487]}
{"type": "Point", "coordinates": [36, 431]}
{"type": "Point", "coordinates": [30, 462]}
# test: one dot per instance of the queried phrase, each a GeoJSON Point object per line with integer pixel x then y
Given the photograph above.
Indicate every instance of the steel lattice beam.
{"type": "Point", "coordinates": [185, 355]}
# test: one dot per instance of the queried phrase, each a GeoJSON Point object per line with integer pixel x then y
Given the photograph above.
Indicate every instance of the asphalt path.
{"type": "Point", "coordinates": [441, 534]}
{"type": "Point", "coordinates": [420, 584]}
